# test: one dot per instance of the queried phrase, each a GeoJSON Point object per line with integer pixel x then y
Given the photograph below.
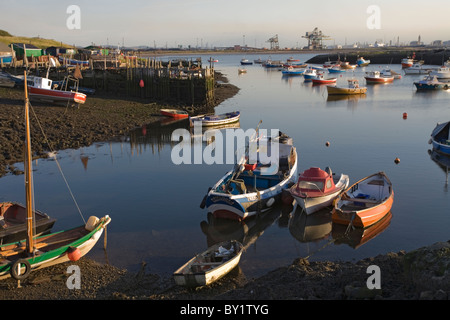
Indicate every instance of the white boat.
{"type": "Point", "coordinates": [361, 62]}
{"type": "Point", "coordinates": [407, 62]}
{"type": "Point", "coordinates": [417, 68]}
{"type": "Point", "coordinates": [387, 72]}
{"type": "Point", "coordinates": [310, 73]}
{"type": "Point", "coordinates": [316, 188]}
{"type": "Point", "coordinates": [376, 77]}
{"type": "Point", "coordinates": [215, 120]}
{"type": "Point", "coordinates": [210, 265]}
{"type": "Point", "coordinates": [441, 73]}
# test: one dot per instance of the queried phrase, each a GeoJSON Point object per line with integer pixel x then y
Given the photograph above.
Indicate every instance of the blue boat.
{"type": "Point", "coordinates": [249, 189]}
{"type": "Point", "coordinates": [310, 73]}
{"type": "Point", "coordinates": [292, 71]}
{"type": "Point", "coordinates": [336, 69]}
{"type": "Point", "coordinates": [430, 83]}
{"type": "Point", "coordinates": [440, 138]}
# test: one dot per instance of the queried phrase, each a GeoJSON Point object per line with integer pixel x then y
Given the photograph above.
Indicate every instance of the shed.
{"type": "Point", "coordinates": [30, 49]}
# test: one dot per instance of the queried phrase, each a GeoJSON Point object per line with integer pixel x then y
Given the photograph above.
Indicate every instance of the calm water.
{"type": "Point", "coordinates": [154, 204]}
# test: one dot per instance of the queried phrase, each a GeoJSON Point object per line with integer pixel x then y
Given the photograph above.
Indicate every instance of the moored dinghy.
{"type": "Point", "coordinates": [365, 202]}
{"type": "Point", "coordinates": [210, 265]}
{"type": "Point", "coordinates": [317, 188]}
{"type": "Point", "coordinates": [215, 120]}
{"type": "Point", "coordinates": [440, 138]}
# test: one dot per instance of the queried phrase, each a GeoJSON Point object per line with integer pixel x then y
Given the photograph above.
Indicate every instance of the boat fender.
{"type": "Point", "coordinates": [92, 223]}
{"type": "Point", "coordinates": [446, 87]}
{"type": "Point", "coordinates": [15, 272]}
{"type": "Point", "coordinates": [73, 253]}
{"type": "Point", "coordinates": [270, 202]}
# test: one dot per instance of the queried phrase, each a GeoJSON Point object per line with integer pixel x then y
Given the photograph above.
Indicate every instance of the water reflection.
{"type": "Point", "coordinates": [319, 226]}
{"type": "Point", "coordinates": [443, 162]}
{"type": "Point", "coordinates": [356, 237]}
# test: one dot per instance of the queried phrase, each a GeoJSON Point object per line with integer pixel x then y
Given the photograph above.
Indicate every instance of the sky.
{"type": "Point", "coordinates": [220, 23]}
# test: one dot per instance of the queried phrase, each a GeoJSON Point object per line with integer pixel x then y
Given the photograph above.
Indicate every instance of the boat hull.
{"type": "Point", "coordinates": [345, 91]}
{"type": "Point", "coordinates": [56, 95]}
{"type": "Point", "coordinates": [177, 114]}
{"type": "Point", "coordinates": [379, 80]}
{"type": "Point", "coordinates": [440, 138]}
{"type": "Point", "coordinates": [351, 208]}
{"type": "Point", "coordinates": [224, 119]}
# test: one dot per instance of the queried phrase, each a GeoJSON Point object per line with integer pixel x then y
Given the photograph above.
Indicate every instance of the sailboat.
{"type": "Point", "coordinates": [18, 259]}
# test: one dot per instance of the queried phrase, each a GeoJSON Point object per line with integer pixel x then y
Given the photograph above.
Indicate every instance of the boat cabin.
{"type": "Point", "coordinates": [353, 83]}
{"type": "Point", "coordinates": [315, 182]}
{"type": "Point", "coordinates": [41, 83]}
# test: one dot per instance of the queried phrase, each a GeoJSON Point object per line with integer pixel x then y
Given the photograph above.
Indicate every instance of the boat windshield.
{"type": "Point", "coordinates": [311, 185]}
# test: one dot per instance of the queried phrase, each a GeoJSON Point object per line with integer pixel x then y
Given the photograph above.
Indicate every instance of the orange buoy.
{"type": "Point", "coordinates": [405, 115]}
{"type": "Point", "coordinates": [73, 253]}
{"type": "Point", "coordinates": [397, 160]}
{"type": "Point", "coordinates": [141, 83]}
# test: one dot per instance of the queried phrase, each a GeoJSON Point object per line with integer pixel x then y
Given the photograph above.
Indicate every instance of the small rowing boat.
{"type": "Point", "coordinates": [365, 202]}
{"type": "Point", "coordinates": [215, 120]}
{"type": "Point", "coordinates": [210, 265]}
{"type": "Point", "coordinates": [178, 114]}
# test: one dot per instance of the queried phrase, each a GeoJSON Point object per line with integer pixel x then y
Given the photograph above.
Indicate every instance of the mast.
{"type": "Point", "coordinates": [28, 176]}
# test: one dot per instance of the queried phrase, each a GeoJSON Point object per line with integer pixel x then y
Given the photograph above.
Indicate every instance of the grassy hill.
{"type": "Point", "coordinates": [6, 38]}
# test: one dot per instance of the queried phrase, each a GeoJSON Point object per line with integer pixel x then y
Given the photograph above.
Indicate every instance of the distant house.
{"type": "Point", "coordinates": [21, 48]}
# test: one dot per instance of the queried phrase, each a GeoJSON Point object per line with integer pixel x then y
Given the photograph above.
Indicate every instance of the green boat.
{"type": "Point", "coordinates": [19, 258]}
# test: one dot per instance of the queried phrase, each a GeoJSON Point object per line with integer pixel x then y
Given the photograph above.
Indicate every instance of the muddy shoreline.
{"type": "Point", "coordinates": [423, 274]}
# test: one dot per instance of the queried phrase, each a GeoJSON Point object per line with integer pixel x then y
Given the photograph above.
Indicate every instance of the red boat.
{"type": "Point", "coordinates": [178, 114]}
{"type": "Point", "coordinates": [320, 80]}
{"type": "Point", "coordinates": [42, 89]}
{"type": "Point", "coordinates": [376, 77]}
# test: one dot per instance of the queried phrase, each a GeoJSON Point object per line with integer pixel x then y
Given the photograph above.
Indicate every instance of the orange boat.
{"type": "Point", "coordinates": [174, 113]}
{"type": "Point", "coordinates": [365, 202]}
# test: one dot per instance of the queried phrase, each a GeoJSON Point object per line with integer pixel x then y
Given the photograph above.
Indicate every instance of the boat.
{"type": "Point", "coordinates": [440, 138]}
{"type": "Point", "coordinates": [292, 72]}
{"type": "Point", "coordinates": [430, 83]}
{"type": "Point", "coordinates": [316, 188]}
{"type": "Point", "coordinates": [417, 68]}
{"type": "Point", "coordinates": [407, 62]}
{"type": "Point", "coordinates": [6, 80]}
{"type": "Point", "coordinates": [213, 60]}
{"type": "Point", "coordinates": [442, 73]}
{"type": "Point", "coordinates": [353, 88]}
{"type": "Point", "coordinates": [41, 89]}
{"type": "Point", "coordinates": [293, 65]}
{"type": "Point", "coordinates": [242, 70]}
{"type": "Point", "coordinates": [246, 62]}
{"type": "Point", "coordinates": [174, 113]}
{"type": "Point", "coordinates": [19, 259]}
{"type": "Point", "coordinates": [387, 72]}
{"type": "Point", "coordinates": [336, 69]}
{"type": "Point", "coordinates": [330, 64]}
{"type": "Point", "coordinates": [346, 65]}
{"type": "Point", "coordinates": [13, 222]}
{"type": "Point", "coordinates": [215, 120]}
{"type": "Point", "coordinates": [319, 79]}
{"type": "Point", "coordinates": [249, 188]}
{"type": "Point", "coordinates": [310, 73]}
{"type": "Point", "coordinates": [361, 62]}
{"type": "Point", "coordinates": [258, 61]}
{"type": "Point", "coordinates": [209, 266]}
{"type": "Point", "coordinates": [376, 77]}
{"type": "Point", "coordinates": [365, 202]}
{"type": "Point", "coordinates": [273, 64]}
{"type": "Point", "coordinates": [74, 62]}
{"type": "Point", "coordinates": [292, 59]}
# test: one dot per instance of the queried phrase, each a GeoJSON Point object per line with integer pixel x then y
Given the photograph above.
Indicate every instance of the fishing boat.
{"type": "Point", "coordinates": [319, 79]}
{"type": "Point", "coordinates": [336, 69]}
{"type": "Point", "coordinates": [365, 202]}
{"type": "Point", "coordinates": [13, 222]}
{"type": "Point", "coordinates": [292, 71]}
{"type": "Point", "coordinates": [442, 73]}
{"type": "Point", "coordinates": [292, 59]}
{"type": "Point", "coordinates": [330, 64]}
{"type": "Point", "coordinates": [215, 120]}
{"type": "Point", "coordinates": [361, 62]}
{"type": "Point", "coordinates": [246, 62]}
{"type": "Point", "coordinates": [353, 88]}
{"type": "Point", "coordinates": [346, 65]}
{"type": "Point", "coordinates": [41, 89]}
{"type": "Point", "coordinates": [174, 113]}
{"type": "Point", "coordinates": [407, 62]}
{"type": "Point", "coordinates": [19, 258]}
{"type": "Point", "coordinates": [295, 66]}
{"type": "Point", "coordinates": [310, 73]}
{"type": "Point", "coordinates": [252, 188]}
{"type": "Point", "coordinates": [209, 266]}
{"type": "Point", "coordinates": [376, 77]}
{"type": "Point", "coordinates": [317, 188]}
{"type": "Point", "coordinates": [416, 68]}
{"type": "Point", "coordinates": [430, 83]}
{"type": "Point", "coordinates": [440, 138]}
{"type": "Point", "coordinates": [258, 61]}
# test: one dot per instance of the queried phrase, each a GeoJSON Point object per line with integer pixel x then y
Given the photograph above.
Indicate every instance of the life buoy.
{"type": "Point", "coordinates": [18, 264]}
{"type": "Point", "coordinates": [446, 87]}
